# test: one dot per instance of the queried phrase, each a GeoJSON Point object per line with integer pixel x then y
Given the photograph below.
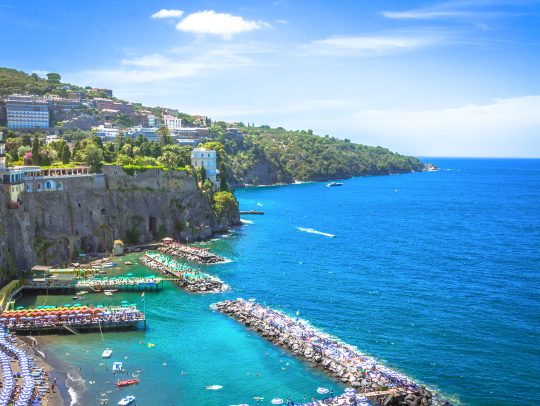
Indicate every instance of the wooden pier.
{"type": "Point", "coordinates": [76, 328]}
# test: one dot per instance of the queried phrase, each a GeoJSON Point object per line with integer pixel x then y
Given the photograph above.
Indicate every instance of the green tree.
{"type": "Point", "coordinates": [164, 135]}
{"type": "Point", "coordinates": [66, 154]}
{"type": "Point", "coordinates": [225, 205]}
{"type": "Point", "coordinates": [91, 155]}
{"type": "Point", "coordinates": [35, 150]}
{"type": "Point", "coordinates": [53, 78]}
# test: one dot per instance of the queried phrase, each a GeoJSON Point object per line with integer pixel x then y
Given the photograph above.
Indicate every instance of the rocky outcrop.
{"type": "Point", "coordinates": [52, 226]}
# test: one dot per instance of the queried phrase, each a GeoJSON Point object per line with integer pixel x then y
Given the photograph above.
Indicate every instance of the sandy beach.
{"type": "Point", "coordinates": [53, 397]}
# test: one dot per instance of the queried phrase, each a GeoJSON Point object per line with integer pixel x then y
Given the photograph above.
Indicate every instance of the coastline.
{"type": "Point", "coordinates": [61, 395]}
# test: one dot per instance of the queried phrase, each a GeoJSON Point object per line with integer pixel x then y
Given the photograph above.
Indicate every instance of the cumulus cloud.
{"type": "Point", "coordinates": [165, 13]}
{"type": "Point", "coordinates": [222, 24]}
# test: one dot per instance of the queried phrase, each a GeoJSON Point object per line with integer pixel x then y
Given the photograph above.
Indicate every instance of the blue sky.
{"type": "Point", "coordinates": [428, 78]}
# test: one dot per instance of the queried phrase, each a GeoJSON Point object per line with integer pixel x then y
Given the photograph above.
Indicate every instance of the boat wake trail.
{"type": "Point", "coordinates": [313, 231]}
{"type": "Point", "coordinates": [75, 384]}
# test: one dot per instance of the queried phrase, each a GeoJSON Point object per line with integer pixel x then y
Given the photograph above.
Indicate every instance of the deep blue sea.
{"type": "Point", "coordinates": [436, 274]}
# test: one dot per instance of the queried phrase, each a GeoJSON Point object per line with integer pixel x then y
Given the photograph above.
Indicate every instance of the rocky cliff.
{"type": "Point", "coordinates": [51, 226]}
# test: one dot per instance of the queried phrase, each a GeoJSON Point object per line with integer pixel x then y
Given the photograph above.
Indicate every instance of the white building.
{"type": "Point", "coordinates": [26, 112]}
{"type": "Point", "coordinates": [172, 122]}
{"type": "Point", "coordinates": [202, 158]}
{"type": "Point", "coordinates": [106, 132]}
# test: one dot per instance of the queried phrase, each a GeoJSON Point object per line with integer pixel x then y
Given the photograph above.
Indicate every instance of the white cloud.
{"type": "Point", "coordinates": [503, 127]}
{"type": "Point", "coordinates": [164, 13]}
{"type": "Point", "coordinates": [222, 24]}
{"type": "Point", "coordinates": [424, 14]}
{"type": "Point", "coordinates": [368, 45]}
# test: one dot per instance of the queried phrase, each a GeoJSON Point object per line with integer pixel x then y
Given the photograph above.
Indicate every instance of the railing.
{"type": "Point", "coordinates": [7, 292]}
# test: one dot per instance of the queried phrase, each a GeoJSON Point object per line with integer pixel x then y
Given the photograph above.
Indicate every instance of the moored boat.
{"type": "Point", "coordinates": [107, 353]}
{"type": "Point", "coordinates": [333, 184]}
{"type": "Point", "coordinates": [117, 366]}
{"type": "Point", "coordinates": [127, 382]}
{"type": "Point", "coordinates": [128, 400]}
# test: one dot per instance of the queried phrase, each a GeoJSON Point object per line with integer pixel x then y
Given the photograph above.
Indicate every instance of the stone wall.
{"type": "Point", "coordinates": [52, 226]}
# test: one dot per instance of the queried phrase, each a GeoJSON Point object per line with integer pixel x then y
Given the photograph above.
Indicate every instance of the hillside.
{"type": "Point", "coordinates": [260, 155]}
{"type": "Point", "coordinates": [267, 156]}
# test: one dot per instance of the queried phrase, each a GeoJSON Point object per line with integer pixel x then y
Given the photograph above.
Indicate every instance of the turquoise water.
{"type": "Point", "coordinates": [436, 274]}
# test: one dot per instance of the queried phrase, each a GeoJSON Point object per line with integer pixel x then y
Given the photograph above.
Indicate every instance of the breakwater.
{"type": "Point", "coordinates": [190, 279]}
{"type": "Point", "coordinates": [341, 360]}
{"type": "Point", "coordinates": [193, 254]}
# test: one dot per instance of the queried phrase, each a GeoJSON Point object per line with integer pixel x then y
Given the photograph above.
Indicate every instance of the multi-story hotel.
{"type": "Point", "coordinates": [26, 112]}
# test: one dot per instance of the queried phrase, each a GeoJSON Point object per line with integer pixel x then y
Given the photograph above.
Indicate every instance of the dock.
{"type": "Point", "coordinates": [345, 363]}
{"type": "Point", "coordinates": [192, 280]}
{"type": "Point", "coordinates": [73, 320]}
{"type": "Point", "coordinates": [126, 283]}
{"type": "Point", "coordinates": [249, 212]}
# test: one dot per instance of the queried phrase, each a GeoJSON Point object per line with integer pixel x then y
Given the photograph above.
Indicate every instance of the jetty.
{"type": "Point", "coordinates": [345, 363]}
{"type": "Point", "coordinates": [193, 254]}
{"type": "Point", "coordinates": [247, 212]}
{"type": "Point", "coordinates": [190, 279]}
{"type": "Point", "coordinates": [120, 283]}
{"type": "Point", "coordinates": [72, 320]}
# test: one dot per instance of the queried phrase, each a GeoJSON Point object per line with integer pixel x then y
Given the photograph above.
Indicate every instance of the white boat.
{"type": "Point", "coordinates": [108, 293]}
{"type": "Point", "coordinates": [117, 366]}
{"type": "Point", "coordinates": [107, 353]}
{"type": "Point", "coordinates": [110, 290]}
{"type": "Point", "coordinates": [82, 292]}
{"type": "Point", "coordinates": [214, 387]}
{"type": "Point", "coordinates": [128, 400]}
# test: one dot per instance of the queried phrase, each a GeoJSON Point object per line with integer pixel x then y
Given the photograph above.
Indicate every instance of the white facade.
{"type": "Point", "coordinates": [27, 112]}
{"type": "Point", "coordinates": [106, 132]}
{"type": "Point", "coordinates": [202, 158]}
{"type": "Point", "coordinates": [172, 122]}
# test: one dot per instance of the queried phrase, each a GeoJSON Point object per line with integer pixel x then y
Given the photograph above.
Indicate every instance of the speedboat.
{"type": "Point", "coordinates": [128, 400]}
{"type": "Point", "coordinates": [82, 292]}
{"type": "Point", "coordinates": [214, 387]}
{"type": "Point", "coordinates": [127, 382]}
{"type": "Point", "coordinates": [107, 293]}
{"type": "Point", "coordinates": [75, 297]}
{"type": "Point", "coordinates": [128, 263]}
{"type": "Point", "coordinates": [117, 366]}
{"type": "Point", "coordinates": [108, 264]}
{"type": "Point", "coordinates": [110, 290]}
{"type": "Point", "coordinates": [107, 353]}
{"type": "Point", "coordinates": [332, 184]}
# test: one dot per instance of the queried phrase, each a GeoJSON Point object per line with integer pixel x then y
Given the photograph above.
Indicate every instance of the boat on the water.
{"type": "Point", "coordinates": [108, 293]}
{"type": "Point", "coordinates": [128, 400]}
{"type": "Point", "coordinates": [214, 387]}
{"type": "Point", "coordinates": [333, 184]}
{"type": "Point", "coordinates": [75, 297]}
{"type": "Point", "coordinates": [117, 366]}
{"type": "Point", "coordinates": [82, 292]}
{"type": "Point", "coordinates": [107, 353]}
{"type": "Point", "coordinates": [128, 263]}
{"type": "Point", "coordinates": [127, 382]}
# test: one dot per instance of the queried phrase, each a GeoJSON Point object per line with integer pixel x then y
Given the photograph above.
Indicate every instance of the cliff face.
{"type": "Point", "coordinates": [51, 226]}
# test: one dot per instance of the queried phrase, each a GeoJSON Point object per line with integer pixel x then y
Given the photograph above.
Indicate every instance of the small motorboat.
{"type": "Point", "coordinates": [127, 382]}
{"type": "Point", "coordinates": [82, 292]}
{"type": "Point", "coordinates": [110, 290]}
{"type": "Point", "coordinates": [128, 263]}
{"type": "Point", "coordinates": [108, 265]}
{"type": "Point", "coordinates": [107, 293]}
{"type": "Point", "coordinates": [75, 297]}
{"type": "Point", "coordinates": [333, 184]}
{"type": "Point", "coordinates": [107, 353]}
{"type": "Point", "coordinates": [128, 400]}
{"type": "Point", "coordinates": [117, 366]}
{"type": "Point", "coordinates": [214, 387]}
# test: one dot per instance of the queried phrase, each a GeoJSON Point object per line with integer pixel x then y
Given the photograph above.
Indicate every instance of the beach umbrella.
{"type": "Point", "coordinates": [67, 305]}
{"type": "Point", "coordinates": [77, 305]}
{"type": "Point", "coordinates": [361, 398]}
{"type": "Point", "coordinates": [20, 307]}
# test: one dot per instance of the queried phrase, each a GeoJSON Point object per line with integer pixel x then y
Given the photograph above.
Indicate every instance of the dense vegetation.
{"type": "Point", "coordinates": [303, 156]}
{"type": "Point", "coordinates": [14, 81]}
